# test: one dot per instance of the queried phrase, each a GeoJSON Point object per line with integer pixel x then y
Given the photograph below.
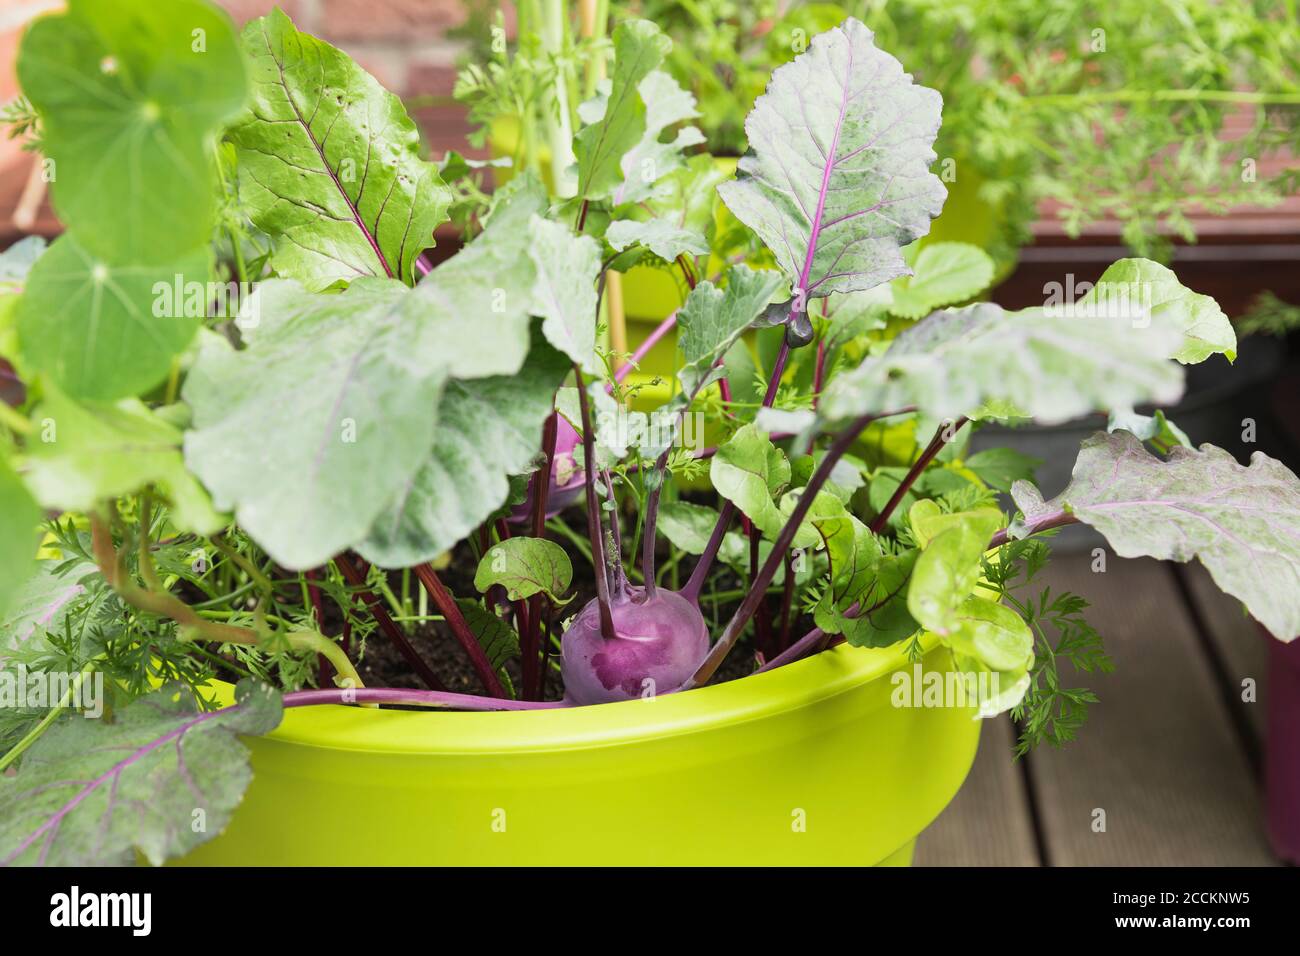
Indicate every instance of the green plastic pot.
{"type": "Point", "coordinates": [806, 764]}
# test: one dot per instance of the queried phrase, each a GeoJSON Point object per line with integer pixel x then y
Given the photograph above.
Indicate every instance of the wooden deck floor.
{"type": "Point", "coordinates": [1171, 754]}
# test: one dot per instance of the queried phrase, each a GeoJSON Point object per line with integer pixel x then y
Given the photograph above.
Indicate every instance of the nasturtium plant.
{"type": "Point", "coordinates": [368, 447]}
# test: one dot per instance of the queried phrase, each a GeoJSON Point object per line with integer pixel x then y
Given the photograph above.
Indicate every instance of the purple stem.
{"type": "Point", "coordinates": [662, 329]}
{"type": "Point", "coordinates": [758, 587]}
{"type": "Point", "coordinates": [417, 698]}
{"type": "Point", "coordinates": [800, 648]}
{"type": "Point", "coordinates": [936, 445]}
{"type": "Point", "coordinates": [696, 582]}
{"type": "Point", "coordinates": [595, 531]}
{"type": "Point", "coordinates": [1055, 519]}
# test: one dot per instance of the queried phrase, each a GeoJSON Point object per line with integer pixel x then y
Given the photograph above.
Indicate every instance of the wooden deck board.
{"type": "Point", "coordinates": [1239, 644]}
{"type": "Point", "coordinates": [1160, 753]}
{"type": "Point", "coordinates": [989, 823]}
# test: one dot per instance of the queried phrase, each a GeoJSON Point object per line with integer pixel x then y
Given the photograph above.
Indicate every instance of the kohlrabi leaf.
{"type": "Point", "coordinates": [837, 179]}
{"type": "Point", "coordinates": [945, 273]}
{"type": "Point", "coordinates": [19, 518]}
{"type": "Point", "coordinates": [104, 330]}
{"type": "Point", "coordinates": [42, 600]}
{"type": "Point", "coordinates": [687, 197]}
{"type": "Point", "coordinates": [88, 453]}
{"type": "Point", "coordinates": [1045, 366]}
{"type": "Point", "coordinates": [565, 292]}
{"type": "Point", "coordinates": [948, 569]}
{"type": "Point", "coordinates": [687, 526]}
{"type": "Point", "coordinates": [524, 567]}
{"type": "Point", "coordinates": [488, 429]}
{"type": "Point", "coordinates": [666, 104]}
{"type": "Point", "coordinates": [1139, 289]}
{"type": "Point", "coordinates": [1242, 522]}
{"type": "Point", "coordinates": [749, 471]}
{"type": "Point", "coordinates": [712, 319]}
{"type": "Point", "coordinates": [660, 236]}
{"type": "Point", "coordinates": [855, 313]}
{"type": "Point", "coordinates": [159, 780]}
{"type": "Point", "coordinates": [311, 431]}
{"type": "Point", "coordinates": [131, 96]}
{"type": "Point", "coordinates": [479, 302]}
{"type": "Point", "coordinates": [639, 47]}
{"type": "Point", "coordinates": [329, 163]}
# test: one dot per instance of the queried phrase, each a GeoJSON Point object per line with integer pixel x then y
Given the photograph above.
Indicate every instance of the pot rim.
{"type": "Point", "coordinates": [788, 688]}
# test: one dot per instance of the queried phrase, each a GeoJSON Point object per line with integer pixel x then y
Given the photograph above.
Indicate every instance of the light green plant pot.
{"type": "Point", "coordinates": [806, 764]}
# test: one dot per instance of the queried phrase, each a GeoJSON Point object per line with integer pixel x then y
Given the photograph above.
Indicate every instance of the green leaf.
{"type": "Point", "coordinates": [945, 273]}
{"type": "Point", "coordinates": [524, 567]}
{"type": "Point", "coordinates": [666, 104]}
{"type": "Point", "coordinates": [1155, 428]}
{"type": "Point", "coordinates": [712, 320]}
{"type": "Point", "coordinates": [488, 429]}
{"type": "Point", "coordinates": [999, 468]}
{"type": "Point", "coordinates": [310, 432]}
{"type": "Point", "coordinates": [660, 236]}
{"type": "Point", "coordinates": [19, 518]}
{"type": "Point", "coordinates": [497, 638]}
{"type": "Point", "coordinates": [1243, 523]}
{"type": "Point", "coordinates": [42, 600]}
{"type": "Point", "coordinates": [639, 47]}
{"type": "Point", "coordinates": [1051, 368]}
{"type": "Point", "coordinates": [85, 454]}
{"type": "Point", "coordinates": [853, 314]}
{"type": "Point", "coordinates": [565, 292]}
{"type": "Point", "coordinates": [1141, 286]}
{"type": "Point", "coordinates": [91, 793]}
{"type": "Point", "coordinates": [131, 95]}
{"type": "Point", "coordinates": [948, 569]}
{"type": "Point", "coordinates": [994, 635]}
{"type": "Point", "coordinates": [478, 303]}
{"type": "Point", "coordinates": [749, 471]}
{"type": "Point", "coordinates": [106, 331]}
{"type": "Point", "coordinates": [329, 163]}
{"type": "Point", "coordinates": [837, 178]}
{"type": "Point", "coordinates": [883, 618]}
{"type": "Point", "coordinates": [687, 197]}
{"type": "Point", "coordinates": [687, 526]}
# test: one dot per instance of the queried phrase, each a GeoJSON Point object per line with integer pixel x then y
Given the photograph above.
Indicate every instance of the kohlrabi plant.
{"type": "Point", "coordinates": [261, 432]}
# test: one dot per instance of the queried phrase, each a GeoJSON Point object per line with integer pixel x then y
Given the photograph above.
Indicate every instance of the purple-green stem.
{"type": "Point", "coordinates": [460, 629]}
{"type": "Point", "coordinates": [758, 587]}
{"type": "Point", "coordinates": [415, 698]}
{"type": "Point", "coordinates": [595, 531]}
{"type": "Point", "coordinates": [530, 644]}
{"type": "Point", "coordinates": [1055, 519]}
{"type": "Point", "coordinates": [940, 439]}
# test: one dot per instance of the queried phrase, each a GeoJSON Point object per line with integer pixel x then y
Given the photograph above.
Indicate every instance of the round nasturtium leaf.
{"type": "Point", "coordinates": [106, 331]}
{"type": "Point", "coordinates": [132, 95]}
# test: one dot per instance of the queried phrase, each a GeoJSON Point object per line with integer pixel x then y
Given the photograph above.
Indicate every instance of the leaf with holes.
{"type": "Point", "coordinates": [94, 793]}
{"type": "Point", "coordinates": [329, 163]}
{"type": "Point", "coordinates": [837, 179]}
{"type": "Point", "coordinates": [1243, 523]}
